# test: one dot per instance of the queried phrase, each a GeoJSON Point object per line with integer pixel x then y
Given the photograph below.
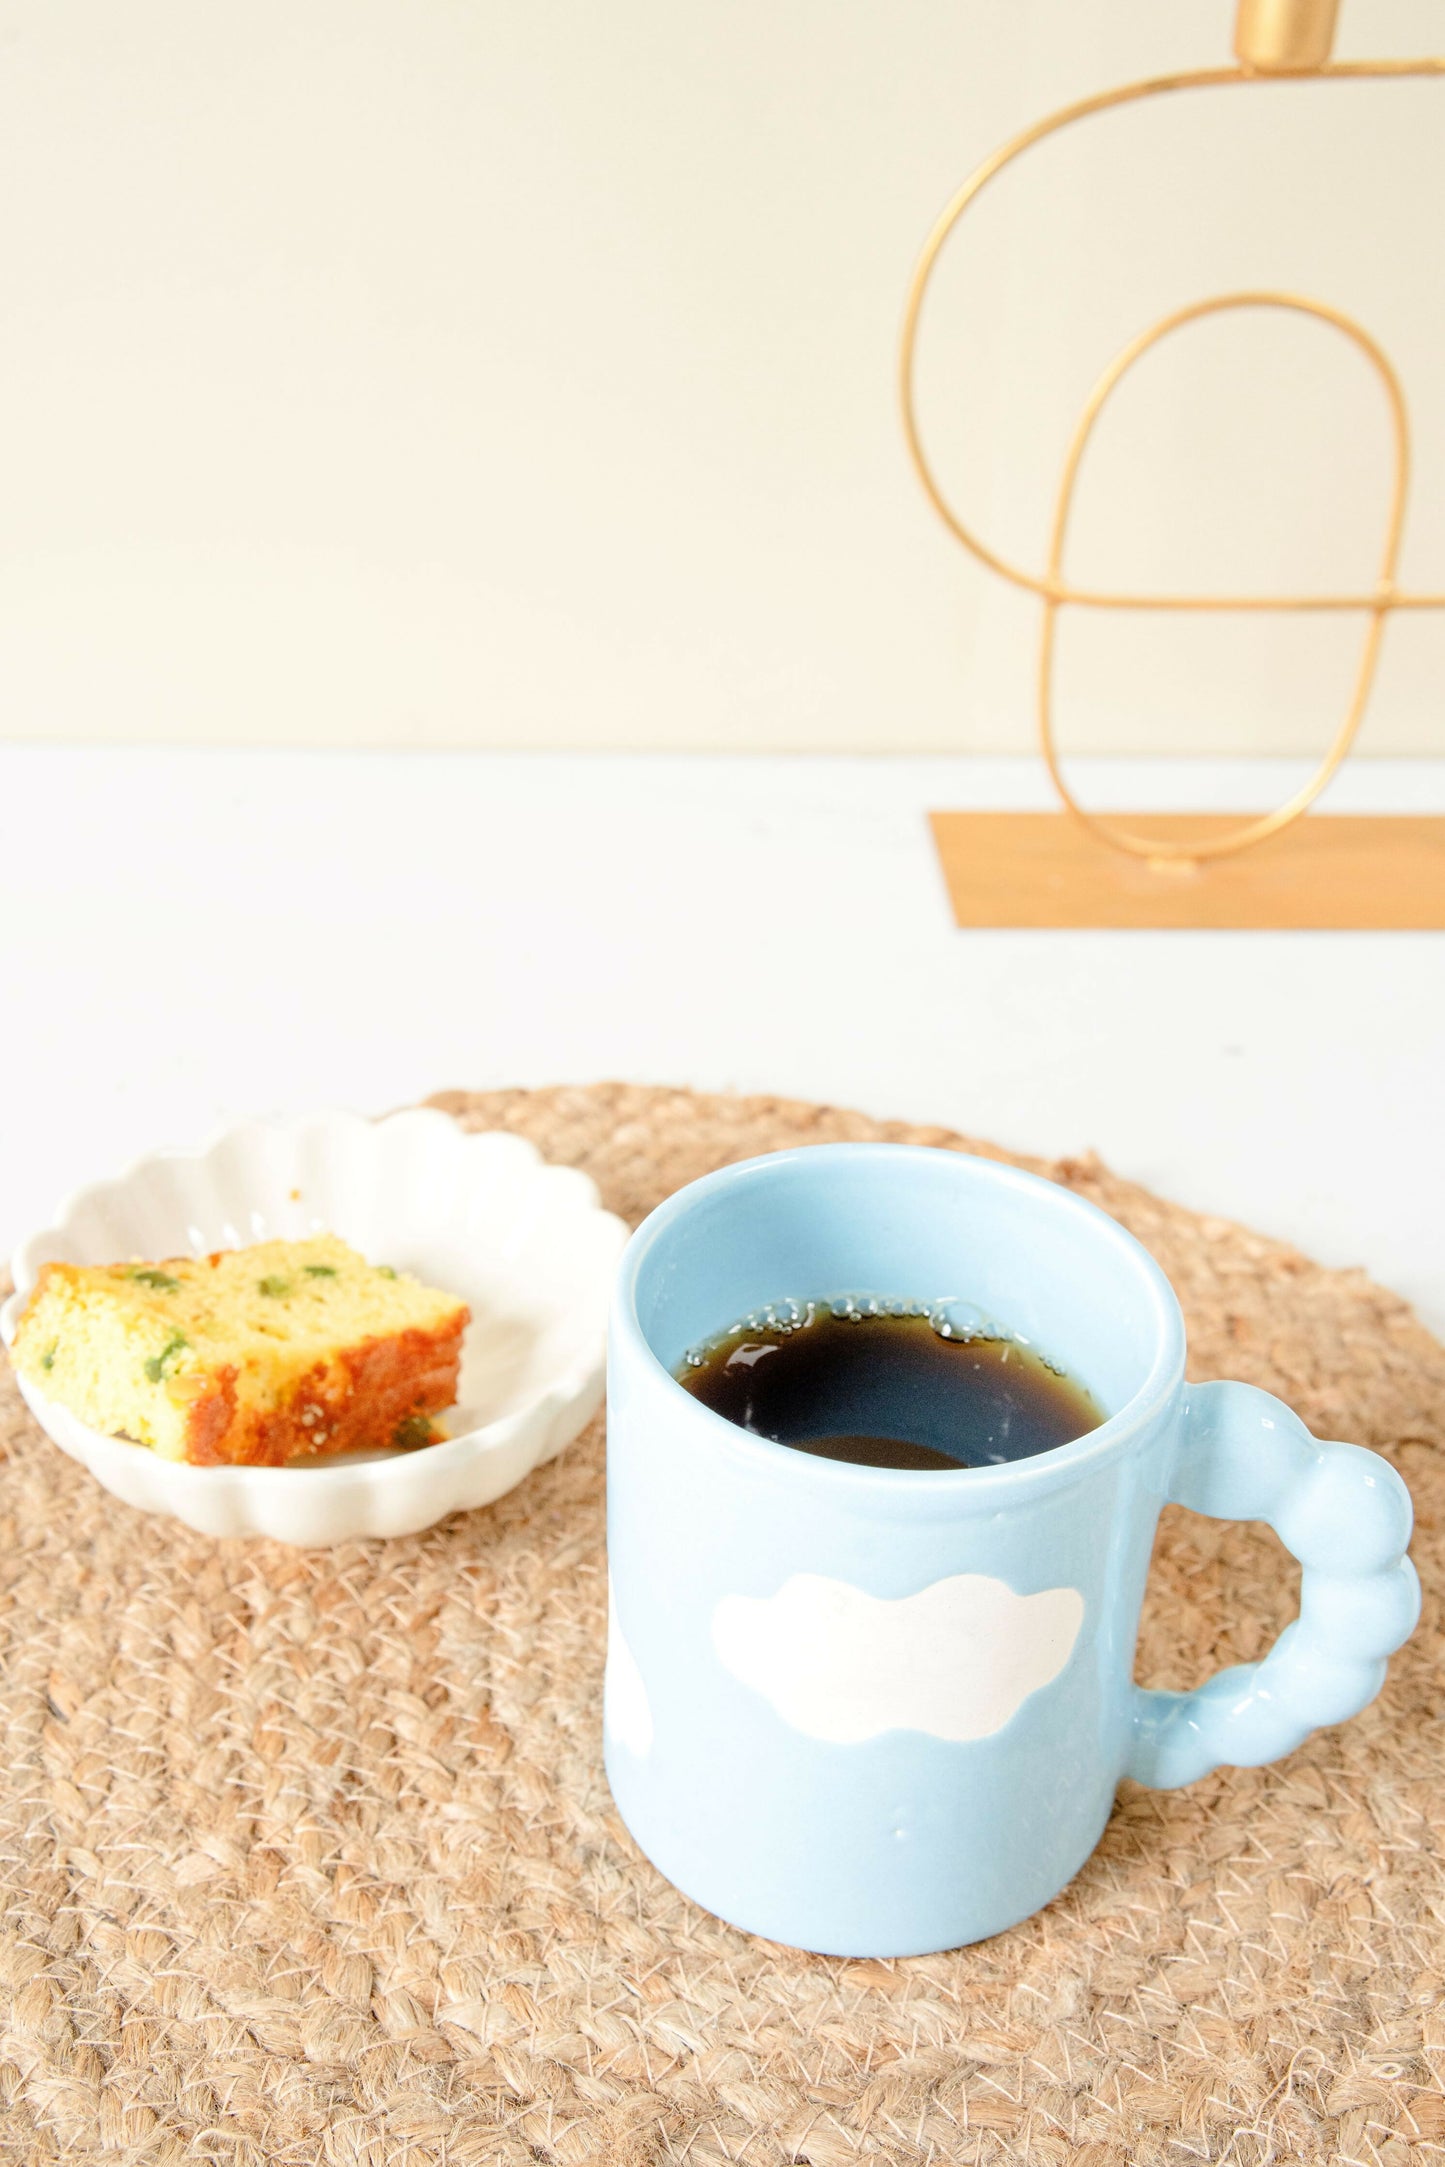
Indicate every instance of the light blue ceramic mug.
{"type": "Point", "coordinates": [873, 1711]}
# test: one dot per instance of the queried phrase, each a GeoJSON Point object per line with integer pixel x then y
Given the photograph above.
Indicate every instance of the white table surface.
{"type": "Point", "coordinates": [193, 936]}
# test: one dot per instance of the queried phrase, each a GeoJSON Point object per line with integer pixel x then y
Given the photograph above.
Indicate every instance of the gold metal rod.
{"type": "Point", "coordinates": [1256, 830]}
{"type": "Point", "coordinates": [1053, 590]}
{"type": "Point", "coordinates": [1286, 39]}
{"type": "Point", "coordinates": [1384, 594]}
{"type": "Point", "coordinates": [1249, 832]}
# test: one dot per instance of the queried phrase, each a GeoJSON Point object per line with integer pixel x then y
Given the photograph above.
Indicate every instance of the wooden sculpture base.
{"type": "Point", "coordinates": [1330, 872]}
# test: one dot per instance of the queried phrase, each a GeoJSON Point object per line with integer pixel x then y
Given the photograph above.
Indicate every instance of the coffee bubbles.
{"type": "Point", "coordinates": [886, 1380]}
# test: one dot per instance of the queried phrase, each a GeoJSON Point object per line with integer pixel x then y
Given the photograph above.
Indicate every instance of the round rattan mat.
{"type": "Point", "coordinates": [309, 1857]}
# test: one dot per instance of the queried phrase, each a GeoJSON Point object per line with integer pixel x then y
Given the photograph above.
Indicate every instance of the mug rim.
{"type": "Point", "coordinates": [1058, 1464]}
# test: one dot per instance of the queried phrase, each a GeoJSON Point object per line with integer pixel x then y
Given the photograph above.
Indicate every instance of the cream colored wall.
{"type": "Point", "coordinates": [507, 372]}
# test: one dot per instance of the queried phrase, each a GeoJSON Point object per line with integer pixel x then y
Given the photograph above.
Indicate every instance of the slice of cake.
{"type": "Point", "coordinates": [250, 1356]}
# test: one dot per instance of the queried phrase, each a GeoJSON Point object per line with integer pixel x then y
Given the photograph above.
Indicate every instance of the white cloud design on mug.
{"type": "Point", "coordinates": [957, 1660]}
{"type": "Point", "coordinates": [626, 1709]}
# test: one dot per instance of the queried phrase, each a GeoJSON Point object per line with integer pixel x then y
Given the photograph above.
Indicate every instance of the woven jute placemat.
{"type": "Point", "coordinates": [309, 1857]}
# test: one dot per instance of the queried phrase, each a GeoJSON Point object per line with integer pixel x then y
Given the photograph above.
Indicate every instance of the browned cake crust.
{"type": "Point", "coordinates": [246, 1357]}
{"type": "Point", "coordinates": [369, 1393]}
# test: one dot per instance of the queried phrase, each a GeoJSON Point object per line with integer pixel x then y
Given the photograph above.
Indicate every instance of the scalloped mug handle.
{"type": "Point", "coordinates": [1346, 1515]}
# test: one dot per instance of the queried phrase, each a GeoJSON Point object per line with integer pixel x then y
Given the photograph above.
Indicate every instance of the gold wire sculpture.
{"type": "Point", "coordinates": [1275, 40]}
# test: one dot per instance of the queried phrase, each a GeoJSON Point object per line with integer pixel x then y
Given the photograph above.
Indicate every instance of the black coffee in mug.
{"type": "Point", "coordinates": [888, 1384]}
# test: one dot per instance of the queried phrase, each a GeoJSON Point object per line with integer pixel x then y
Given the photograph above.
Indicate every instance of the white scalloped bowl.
{"type": "Point", "coordinates": [526, 1244]}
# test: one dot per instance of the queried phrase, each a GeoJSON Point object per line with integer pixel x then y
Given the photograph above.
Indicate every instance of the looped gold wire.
{"type": "Point", "coordinates": [1253, 831]}
{"type": "Point", "coordinates": [1052, 589]}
